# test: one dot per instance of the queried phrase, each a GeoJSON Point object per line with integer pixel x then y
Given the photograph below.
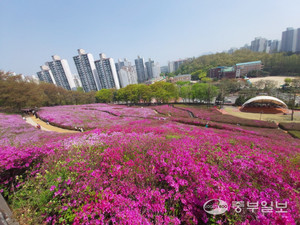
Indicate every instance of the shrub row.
{"type": "Point", "coordinates": [294, 133]}
{"type": "Point", "coordinates": [210, 124]}
{"type": "Point", "coordinates": [290, 126]}
{"type": "Point", "coordinates": [244, 122]}
{"type": "Point", "coordinates": [172, 111]}
{"type": "Point", "coordinates": [213, 114]}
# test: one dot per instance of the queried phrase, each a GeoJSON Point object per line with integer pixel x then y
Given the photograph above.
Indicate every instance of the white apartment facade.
{"type": "Point", "coordinates": [156, 70]}
{"type": "Point", "coordinates": [107, 73]}
{"type": "Point", "coordinates": [86, 69]}
{"type": "Point", "coordinates": [45, 75]}
{"type": "Point", "coordinates": [128, 75]}
{"type": "Point", "coordinates": [61, 73]}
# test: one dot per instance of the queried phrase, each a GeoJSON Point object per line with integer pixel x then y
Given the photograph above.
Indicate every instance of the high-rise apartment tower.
{"type": "Point", "coordinates": [87, 71]}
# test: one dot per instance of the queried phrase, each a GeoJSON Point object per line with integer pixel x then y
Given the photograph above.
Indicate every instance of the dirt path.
{"type": "Point", "coordinates": [278, 79]}
{"type": "Point", "coordinates": [44, 126]}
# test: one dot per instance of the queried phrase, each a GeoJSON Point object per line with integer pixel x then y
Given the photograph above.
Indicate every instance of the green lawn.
{"type": "Point", "coordinates": [257, 116]}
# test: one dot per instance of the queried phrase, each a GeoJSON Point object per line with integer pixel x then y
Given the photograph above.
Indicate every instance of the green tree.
{"type": "Point", "coordinates": [80, 89]}
{"type": "Point", "coordinates": [105, 95]}
{"type": "Point", "coordinates": [185, 92]}
{"type": "Point", "coordinates": [89, 97]}
{"type": "Point", "coordinates": [144, 93]}
{"type": "Point", "coordinates": [241, 100]}
{"type": "Point", "coordinates": [206, 80]}
{"type": "Point", "coordinates": [122, 95]}
{"type": "Point", "coordinates": [133, 93]}
{"type": "Point", "coordinates": [224, 89]}
{"type": "Point", "coordinates": [288, 81]}
{"type": "Point", "coordinates": [17, 93]}
{"type": "Point", "coordinates": [198, 92]}
{"type": "Point", "coordinates": [181, 83]}
{"type": "Point", "coordinates": [199, 74]}
{"type": "Point", "coordinates": [274, 64]}
{"type": "Point", "coordinates": [210, 91]}
{"type": "Point", "coordinates": [170, 74]}
{"type": "Point", "coordinates": [164, 92]}
{"type": "Point", "coordinates": [51, 94]}
{"type": "Point", "coordinates": [204, 92]}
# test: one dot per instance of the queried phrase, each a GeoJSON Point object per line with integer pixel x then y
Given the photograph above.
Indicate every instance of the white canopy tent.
{"type": "Point", "coordinates": [266, 99]}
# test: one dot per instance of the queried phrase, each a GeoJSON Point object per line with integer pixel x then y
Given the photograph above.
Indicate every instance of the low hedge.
{"type": "Point", "coordinates": [290, 126]}
{"type": "Point", "coordinates": [213, 114]}
{"type": "Point", "coordinates": [244, 122]}
{"type": "Point", "coordinates": [216, 125]}
{"type": "Point", "coordinates": [294, 133]}
{"type": "Point", "coordinates": [172, 111]}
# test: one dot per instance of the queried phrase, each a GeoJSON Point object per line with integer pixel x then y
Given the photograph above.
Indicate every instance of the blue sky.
{"type": "Point", "coordinates": [31, 31]}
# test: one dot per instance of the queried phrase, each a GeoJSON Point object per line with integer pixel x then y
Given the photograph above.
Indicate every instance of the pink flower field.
{"type": "Point", "coordinates": [15, 131]}
{"type": "Point", "coordinates": [171, 111]}
{"type": "Point", "coordinates": [137, 169]}
{"type": "Point", "coordinates": [93, 115]}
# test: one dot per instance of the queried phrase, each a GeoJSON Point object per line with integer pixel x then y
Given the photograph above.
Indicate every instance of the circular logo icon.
{"type": "Point", "coordinates": [215, 206]}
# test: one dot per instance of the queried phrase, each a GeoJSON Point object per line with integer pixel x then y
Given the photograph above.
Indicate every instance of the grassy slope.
{"type": "Point", "coordinates": [267, 117]}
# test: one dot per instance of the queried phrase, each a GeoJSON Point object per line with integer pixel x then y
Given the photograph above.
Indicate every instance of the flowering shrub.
{"type": "Point", "coordinates": [290, 126]}
{"type": "Point", "coordinates": [15, 131]}
{"type": "Point", "coordinates": [213, 114]}
{"type": "Point", "coordinates": [122, 110]}
{"type": "Point", "coordinates": [244, 122]}
{"type": "Point", "coordinates": [79, 116]}
{"type": "Point", "coordinates": [152, 172]}
{"type": "Point", "coordinates": [204, 123]}
{"type": "Point", "coordinates": [20, 146]}
{"type": "Point", "coordinates": [201, 112]}
{"type": "Point", "coordinates": [171, 111]}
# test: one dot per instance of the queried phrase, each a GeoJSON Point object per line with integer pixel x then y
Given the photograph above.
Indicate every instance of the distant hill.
{"type": "Point", "coordinates": [275, 64]}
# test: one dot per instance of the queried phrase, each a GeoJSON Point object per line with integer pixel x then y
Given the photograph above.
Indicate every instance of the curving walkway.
{"type": "Point", "coordinates": [6, 215]}
{"type": "Point", "coordinates": [44, 126]}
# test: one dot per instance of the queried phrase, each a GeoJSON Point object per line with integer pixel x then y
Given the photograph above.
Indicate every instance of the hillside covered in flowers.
{"type": "Point", "coordinates": [153, 165]}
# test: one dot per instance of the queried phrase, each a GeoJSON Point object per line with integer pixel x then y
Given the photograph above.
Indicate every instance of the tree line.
{"type": "Point", "coordinates": [274, 64]}
{"type": "Point", "coordinates": [16, 93]}
{"type": "Point", "coordinates": [159, 93]}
